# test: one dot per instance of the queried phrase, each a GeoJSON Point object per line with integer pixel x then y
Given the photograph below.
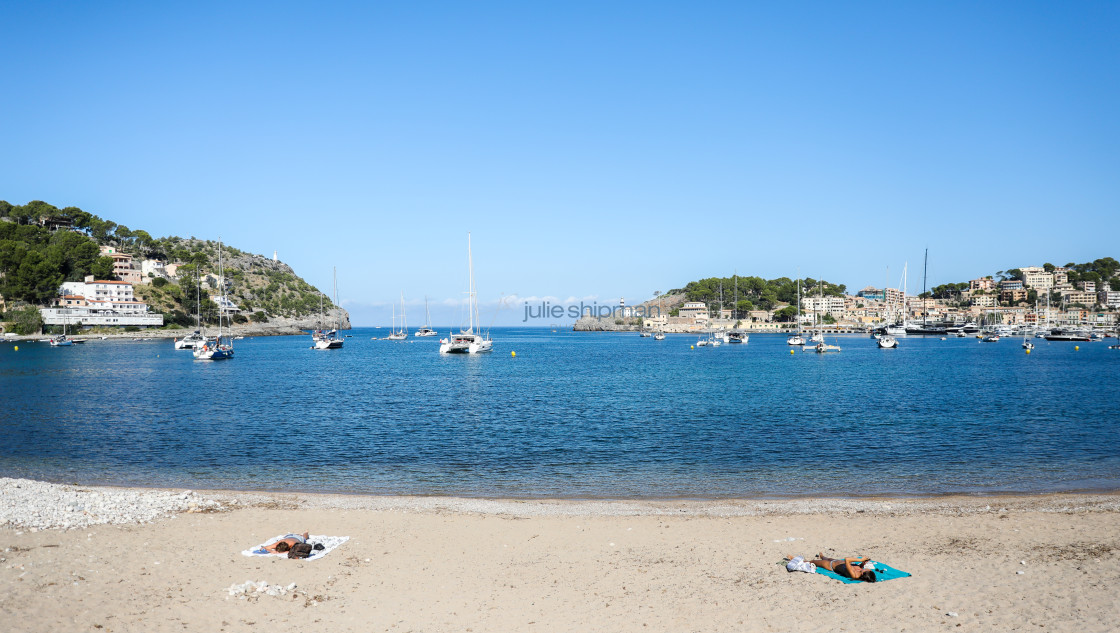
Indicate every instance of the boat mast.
{"type": "Point", "coordinates": [473, 306]}
{"type": "Point", "coordinates": [221, 291]}
{"type": "Point", "coordinates": [799, 302]}
{"type": "Point", "coordinates": [334, 269]}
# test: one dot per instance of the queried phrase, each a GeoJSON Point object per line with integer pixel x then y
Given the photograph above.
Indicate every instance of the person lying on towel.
{"type": "Point", "coordinates": [858, 568]}
{"type": "Point", "coordinates": [286, 543]}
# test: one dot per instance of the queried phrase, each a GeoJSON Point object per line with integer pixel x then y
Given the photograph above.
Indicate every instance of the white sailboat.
{"type": "Point", "coordinates": [329, 339]}
{"type": "Point", "coordinates": [818, 337]}
{"type": "Point", "coordinates": [468, 341]}
{"type": "Point", "coordinates": [222, 348]}
{"type": "Point", "coordinates": [194, 339]}
{"type": "Point", "coordinates": [797, 339]}
{"type": "Point", "coordinates": [427, 329]}
{"type": "Point", "coordinates": [402, 333]}
{"type": "Point", "coordinates": [659, 335]}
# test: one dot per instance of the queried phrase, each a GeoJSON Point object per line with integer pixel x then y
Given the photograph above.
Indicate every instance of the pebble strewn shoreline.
{"type": "Point", "coordinates": [39, 505]}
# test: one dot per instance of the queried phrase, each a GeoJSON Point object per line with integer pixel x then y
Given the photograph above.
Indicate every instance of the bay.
{"type": "Point", "coordinates": [588, 415]}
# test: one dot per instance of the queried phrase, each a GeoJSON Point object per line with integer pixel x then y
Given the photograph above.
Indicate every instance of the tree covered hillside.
{"type": "Point", "coordinates": [41, 246]}
{"type": "Point", "coordinates": [754, 293]}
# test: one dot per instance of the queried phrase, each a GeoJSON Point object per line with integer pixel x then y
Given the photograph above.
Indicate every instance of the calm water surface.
{"type": "Point", "coordinates": [572, 415]}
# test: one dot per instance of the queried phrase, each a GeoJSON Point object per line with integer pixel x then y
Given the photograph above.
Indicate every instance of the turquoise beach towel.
{"type": "Point", "coordinates": [882, 572]}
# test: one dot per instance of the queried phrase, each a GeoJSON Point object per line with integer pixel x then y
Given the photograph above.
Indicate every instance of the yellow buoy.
{"type": "Point", "coordinates": [513, 353]}
{"type": "Point", "coordinates": [691, 347]}
{"type": "Point", "coordinates": [1028, 351]}
{"type": "Point", "coordinates": [17, 348]}
{"type": "Point", "coordinates": [1076, 347]}
{"type": "Point", "coordinates": [791, 352]}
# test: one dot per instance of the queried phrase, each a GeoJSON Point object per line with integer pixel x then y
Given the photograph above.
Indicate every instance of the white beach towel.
{"type": "Point", "coordinates": [328, 542]}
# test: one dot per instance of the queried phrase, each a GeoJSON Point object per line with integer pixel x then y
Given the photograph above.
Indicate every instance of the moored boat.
{"type": "Point", "coordinates": [467, 341]}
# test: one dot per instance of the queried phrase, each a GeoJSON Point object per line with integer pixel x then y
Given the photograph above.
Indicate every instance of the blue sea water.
{"type": "Point", "coordinates": [571, 415]}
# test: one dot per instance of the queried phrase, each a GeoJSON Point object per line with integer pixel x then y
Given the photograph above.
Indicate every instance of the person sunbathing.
{"type": "Point", "coordinates": [286, 543]}
{"type": "Point", "coordinates": [847, 567]}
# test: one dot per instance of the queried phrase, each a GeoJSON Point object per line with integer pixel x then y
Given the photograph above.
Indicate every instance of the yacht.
{"type": "Point", "coordinates": [887, 342]}
{"type": "Point", "coordinates": [468, 341]}
{"type": "Point", "coordinates": [645, 333]}
{"type": "Point", "coordinates": [659, 336]}
{"type": "Point", "coordinates": [1059, 334]}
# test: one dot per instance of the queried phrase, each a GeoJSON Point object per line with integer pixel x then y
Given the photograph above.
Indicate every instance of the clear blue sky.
{"type": "Point", "coordinates": [593, 149]}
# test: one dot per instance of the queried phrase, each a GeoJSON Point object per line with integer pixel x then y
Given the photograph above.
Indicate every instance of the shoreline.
{"type": "Point", "coordinates": [892, 506]}
{"type": "Point", "coordinates": [775, 498]}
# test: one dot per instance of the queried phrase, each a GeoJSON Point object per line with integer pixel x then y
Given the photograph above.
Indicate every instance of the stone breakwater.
{"type": "Point", "coordinates": [38, 505]}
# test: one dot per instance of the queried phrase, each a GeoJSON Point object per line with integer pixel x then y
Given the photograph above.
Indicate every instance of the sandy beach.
{"type": "Point", "coordinates": [439, 564]}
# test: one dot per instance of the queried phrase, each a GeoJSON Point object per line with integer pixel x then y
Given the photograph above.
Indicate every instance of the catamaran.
{"type": "Point", "coordinates": [195, 339]}
{"type": "Point", "coordinates": [468, 341]}
{"type": "Point", "coordinates": [222, 347]}
{"type": "Point", "coordinates": [427, 329]}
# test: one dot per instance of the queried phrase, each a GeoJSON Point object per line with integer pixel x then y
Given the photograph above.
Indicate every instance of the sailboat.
{"type": "Point", "coordinates": [468, 341]}
{"type": "Point", "coordinates": [797, 339]}
{"type": "Point", "coordinates": [659, 335]}
{"type": "Point", "coordinates": [401, 334]}
{"type": "Point", "coordinates": [427, 329]}
{"type": "Point", "coordinates": [222, 348]}
{"type": "Point", "coordinates": [62, 340]}
{"type": "Point", "coordinates": [329, 339]}
{"type": "Point", "coordinates": [195, 339]}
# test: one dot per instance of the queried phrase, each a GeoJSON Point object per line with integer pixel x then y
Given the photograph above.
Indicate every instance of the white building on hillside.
{"type": "Point", "coordinates": [99, 302]}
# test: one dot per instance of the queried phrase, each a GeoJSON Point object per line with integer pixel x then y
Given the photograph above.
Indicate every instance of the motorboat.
{"type": "Point", "coordinates": [659, 336]}
{"type": "Point", "coordinates": [645, 333]}
{"type": "Point", "coordinates": [1059, 334]}
{"type": "Point", "coordinates": [887, 342]}
{"type": "Point", "coordinates": [737, 337]}
{"type": "Point", "coordinates": [990, 338]}
{"type": "Point", "coordinates": [61, 341]}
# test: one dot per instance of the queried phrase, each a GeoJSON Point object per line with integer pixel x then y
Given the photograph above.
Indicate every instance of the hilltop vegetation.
{"type": "Point", "coordinates": [35, 261]}
{"type": "Point", "coordinates": [755, 293]}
